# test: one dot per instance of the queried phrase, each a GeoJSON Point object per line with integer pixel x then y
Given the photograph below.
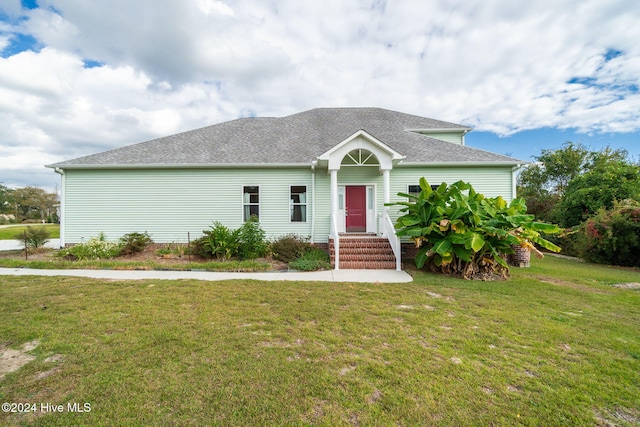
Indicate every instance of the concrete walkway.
{"type": "Point", "coordinates": [362, 276]}
{"type": "Point", "coordinates": [14, 245]}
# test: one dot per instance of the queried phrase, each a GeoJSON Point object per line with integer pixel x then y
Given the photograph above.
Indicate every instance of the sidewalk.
{"type": "Point", "coordinates": [361, 276]}
{"type": "Point", "coordinates": [14, 245]}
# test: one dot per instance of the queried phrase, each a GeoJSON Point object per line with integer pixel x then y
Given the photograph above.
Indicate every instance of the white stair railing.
{"type": "Point", "coordinates": [390, 233]}
{"type": "Point", "coordinates": [336, 242]}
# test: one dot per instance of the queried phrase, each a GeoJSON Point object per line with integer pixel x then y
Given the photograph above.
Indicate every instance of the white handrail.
{"type": "Point", "coordinates": [336, 242]}
{"type": "Point", "coordinates": [390, 233]}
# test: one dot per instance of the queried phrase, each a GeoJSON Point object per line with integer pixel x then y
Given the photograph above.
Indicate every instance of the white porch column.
{"type": "Point", "coordinates": [386, 188]}
{"type": "Point", "coordinates": [334, 218]}
{"type": "Point", "coordinates": [334, 195]}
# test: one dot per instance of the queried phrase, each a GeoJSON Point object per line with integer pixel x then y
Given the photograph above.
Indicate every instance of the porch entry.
{"type": "Point", "coordinates": [355, 208]}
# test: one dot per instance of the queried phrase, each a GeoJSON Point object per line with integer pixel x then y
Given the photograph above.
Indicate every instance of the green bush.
{"type": "Point", "coordinates": [461, 232]}
{"type": "Point", "coordinates": [135, 242]}
{"type": "Point", "coordinates": [289, 248]}
{"type": "Point", "coordinates": [252, 242]}
{"type": "Point", "coordinates": [220, 242]}
{"type": "Point", "coordinates": [198, 247]}
{"type": "Point", "coordinates": [613, 236]}
{"type": "Point", "coordinates": [33, 237]}
{"type": "Point", "coordinates": [95, 248]}
{"type": "Point", "coordinates": [312, 259]}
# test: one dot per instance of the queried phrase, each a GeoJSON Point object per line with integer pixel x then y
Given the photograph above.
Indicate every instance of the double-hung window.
{"type": "Point", "coordinates": [298, 203]}
{"type": "Point", "coordinates": [250, 201]}
{"type": "Point", "coordinates": [415, 190]}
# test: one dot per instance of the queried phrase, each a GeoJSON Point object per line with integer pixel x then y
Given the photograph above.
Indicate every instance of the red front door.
{"type": "Point", "coordinates": [356, 208]}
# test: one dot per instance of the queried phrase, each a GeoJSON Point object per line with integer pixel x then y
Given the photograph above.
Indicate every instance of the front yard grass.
{"type": "Point", "coordinates": [556, 345]}
{"type": "Point", "coordinates": [8, 233]}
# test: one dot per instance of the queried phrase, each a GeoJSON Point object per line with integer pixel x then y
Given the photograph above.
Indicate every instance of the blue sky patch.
{"type": "Point", "coordinates": [20, 43]}
{"type": "Point", "coordinates": [90, 63]}
{"type": "Point", "coordinates": [526, 144]}
{"type": "Point", "coordinates": [588, 81]}
{"type": "Point", "coordinates": [611, 54]}
{"type": "Point", "coordinates": [29, 4]}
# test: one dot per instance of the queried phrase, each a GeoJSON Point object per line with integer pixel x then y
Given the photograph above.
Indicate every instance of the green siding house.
{"type": "Point", "coordinates": [322, 173]}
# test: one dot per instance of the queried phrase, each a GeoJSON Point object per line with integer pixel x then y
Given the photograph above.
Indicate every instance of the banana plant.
{"type": "Point", "coordinates": [460, 231]}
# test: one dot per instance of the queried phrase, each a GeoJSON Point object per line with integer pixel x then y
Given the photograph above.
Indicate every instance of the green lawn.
{"type": "Point", "coordinates": [8, 233]}
{"type": "Point", "coordinates": [557, 345]}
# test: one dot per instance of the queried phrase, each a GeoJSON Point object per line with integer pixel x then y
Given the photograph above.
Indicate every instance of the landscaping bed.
{"type": "Point", "coordinates": [148, 259]}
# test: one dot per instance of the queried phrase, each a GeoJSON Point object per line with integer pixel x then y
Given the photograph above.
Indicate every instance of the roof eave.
{"type": "Point", "coordinates": [467, 163]}
{"type": "Point", "coordinates": [440, 130]}
{"type": "Point", "coordinates": [179, 166]}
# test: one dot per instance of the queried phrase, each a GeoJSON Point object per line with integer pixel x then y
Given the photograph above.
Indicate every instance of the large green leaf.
{"type": "Point", "coordinates": [425, 187]}
{"type": "Point", "coordinates": [546, 244]}
{"type": "Point", "coordinates": [476, 242]}
{"type": "Point", "coordinates": [545, 228]}
{"type": "Point", "coordinates": [408, 221]}
{"type": "Point", "coordinates": [442, 246]}
{"type": "Point", "coordinates": [518, 220]}
{"type": "Point", "coordinates": [421, 257]}
{"type": "Point", "coordinates": [463, 253]}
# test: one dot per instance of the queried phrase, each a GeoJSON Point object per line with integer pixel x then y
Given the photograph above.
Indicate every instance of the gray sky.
{"type": "Point", "coordinates": [79, 77]}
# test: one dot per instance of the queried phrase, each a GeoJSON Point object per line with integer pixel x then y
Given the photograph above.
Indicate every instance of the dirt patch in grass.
{"type": "Point", "coordinates": [613, 417]}
{"type": "Point", "coordinates": [11, 360]}
{"type": "Point", "coordinates": [577, 286]}
{"type": "Point", "coordinates": [627, 285]}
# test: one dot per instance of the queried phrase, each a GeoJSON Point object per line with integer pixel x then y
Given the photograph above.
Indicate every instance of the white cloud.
{"type": "Point", "coordinates": [11, 8]}
{"type": "Point", "coordinates": [169, 66]}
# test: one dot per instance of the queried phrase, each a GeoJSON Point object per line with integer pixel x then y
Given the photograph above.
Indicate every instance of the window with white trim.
{"type": "Point", "coordinates": [415, 190]}
{"type": "Point", "coordinates": [250, 201]}
{"type": "Point", "coordinates": [298, 203]}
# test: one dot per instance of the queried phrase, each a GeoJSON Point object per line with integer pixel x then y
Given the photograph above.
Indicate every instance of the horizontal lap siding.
{"type": "Point", "coordinates": [323, 207]}
{"type": "Point", "coordinates": [490, 181]}
{"type": "Point", "coordinates": [456, 138]}
{"type": "Point", "coordinates": [170, 203]}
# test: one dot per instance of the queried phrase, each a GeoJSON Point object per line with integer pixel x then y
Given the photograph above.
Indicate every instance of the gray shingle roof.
{"type": "Point", "coordinates": [294, 139]}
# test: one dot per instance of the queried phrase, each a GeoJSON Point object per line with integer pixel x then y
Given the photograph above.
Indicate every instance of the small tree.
{"type": "Point", "coordinates": [252, 242]}
{"type": "Point", "coordinates": [464, 233]}
{"type": "Point", "coordinates": [33, 237]}
{"type": "Point", "coordinates": [608, 181]}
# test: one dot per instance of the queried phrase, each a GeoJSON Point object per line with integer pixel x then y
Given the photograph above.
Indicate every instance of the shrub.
{"type": "Point", "coordinates": [95, 248]}
{"type": "Point", "coordinates": [135, 242]}
{"type": "Point", "coordinates": [219, 241]}
{"type": "Point", "coordinates": [198, 247]}
{"type": "Point", "coordinates": [461, 232]}
{"type": "Point", "coordinates": [33, 237]}
{"type": "Point", "coordinates": [613, 236]}
{"type": "Point", "coordinates": [252, 243]}
{"type": "Point", "coordinates": [312, 259]}
{"type": "Point", "coordinates": [289, 248]}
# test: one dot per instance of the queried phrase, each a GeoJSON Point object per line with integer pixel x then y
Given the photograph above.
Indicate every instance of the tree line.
{"type": "Point", "coordinates": [27, 204]}
{"type": "Point", "coordinates": [595, 195]}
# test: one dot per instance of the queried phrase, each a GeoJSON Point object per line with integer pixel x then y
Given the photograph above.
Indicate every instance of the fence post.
{"type": "Point", "coordinates": [26, 250]}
